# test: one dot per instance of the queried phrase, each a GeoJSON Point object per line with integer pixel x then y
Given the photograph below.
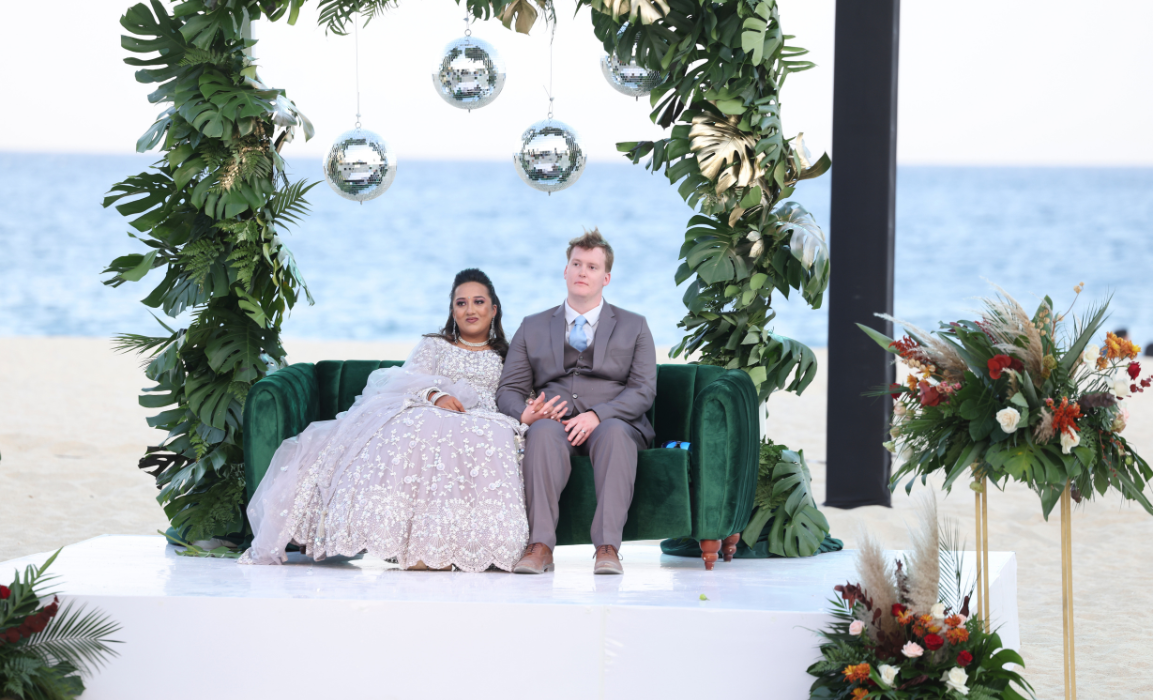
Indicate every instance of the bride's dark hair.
{"type": "Point", "coordinates": [499, 344]}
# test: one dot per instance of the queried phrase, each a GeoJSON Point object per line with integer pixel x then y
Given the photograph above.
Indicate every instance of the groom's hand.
{"type": "Point", "coordinates": [582, 425]}
{"type": "Point", "coordinates": [538, 408]}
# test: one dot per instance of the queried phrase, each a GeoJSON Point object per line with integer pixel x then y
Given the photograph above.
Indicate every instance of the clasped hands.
{"type": "Point", "coordinates": [579, 427]}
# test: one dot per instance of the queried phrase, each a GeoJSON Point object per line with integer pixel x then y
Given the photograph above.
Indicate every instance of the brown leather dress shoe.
{"type": "Point", "coordinates": [537, 559]}
{"type": "Point", "coordinates": [607, 561]}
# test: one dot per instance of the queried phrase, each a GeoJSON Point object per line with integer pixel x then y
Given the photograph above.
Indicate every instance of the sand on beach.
{"type": "Point", "coordinates": [71, 433]}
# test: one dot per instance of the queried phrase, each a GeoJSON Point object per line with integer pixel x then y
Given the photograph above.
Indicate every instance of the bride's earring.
{"type": "Point", "coordinates": [492, 330]}
{"type": "Point", "coordinates": [455, 331]}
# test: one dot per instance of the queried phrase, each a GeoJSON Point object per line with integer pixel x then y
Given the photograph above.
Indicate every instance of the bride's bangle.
{"type": "Point", "coordinates": [436, 396]}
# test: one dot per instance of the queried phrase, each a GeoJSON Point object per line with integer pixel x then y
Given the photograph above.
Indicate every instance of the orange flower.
{"type": "Point", "coordinates": [911, 382]}
{"type": "Point", "coordinates": [1116, 347]}
{"type": "Point", "coordinates": [859, 693]}
{"type": "Point", "coordinates": [957, 635]}
{"type": "Point", "coordinates": [857, 673]}
{"type": "Point", "coordinates": [919, 630]}
{"type": "Point", "coordinates": [1064, 416]}
{"type": "Point", "coordinates": [905, 617]}
{"type": "Point", "coordinates": [925, 620]}
{"type": "Point", "coordinates": [953, 620]}
{"type": "Point", "coordinates": [933, 629]}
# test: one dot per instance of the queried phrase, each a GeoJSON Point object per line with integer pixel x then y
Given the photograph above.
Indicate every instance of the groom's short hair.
{"type": "Point", "coordinates": [590, 240]}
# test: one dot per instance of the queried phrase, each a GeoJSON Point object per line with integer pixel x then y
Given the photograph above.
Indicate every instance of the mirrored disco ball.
{"type": "Point", "coordinates": [470, 73]}
{"type": "Point", "coordinates": [629, 78]}
{"type": "Point", "coordinates": [360, 166]}
{"type": "Point", "coordinates": [551, 156]}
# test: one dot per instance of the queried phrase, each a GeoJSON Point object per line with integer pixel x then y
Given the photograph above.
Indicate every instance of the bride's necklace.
{"type": "Point", "coordinates": [464, 342]}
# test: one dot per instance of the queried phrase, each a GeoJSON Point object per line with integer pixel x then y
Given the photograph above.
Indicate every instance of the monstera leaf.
{"type": "Point", "coordinates": [726, 155]}
{"type": "Point", "coordinates": [785, 496]}
{"type": "Point", "coordinates": [807, 240]}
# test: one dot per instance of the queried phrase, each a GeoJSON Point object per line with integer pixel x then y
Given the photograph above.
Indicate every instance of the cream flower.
{"type": "Point", "coordinates": [956, 678]}
{"type": "Point", "coordinates": [1069, 440]}
{"type": "Point", "coordinates": [1092, 352]}
{"type": "Point", "coordinates": [1120, 421]}
{"type": "Point", "coordinates": [938, 611]}
{"type": "Point", "coordinates": [1121, 386]}
{"type": "Point", "coordinates": [892, 446]}
{"type": "Point", "coordinates": [912, 650]}
{"type": "Point", "coordinates": [888, 673]}
{"type": "Point", "coordinates": [1009, 418]}
{"type": "Point", "coordinates": [856, 628]}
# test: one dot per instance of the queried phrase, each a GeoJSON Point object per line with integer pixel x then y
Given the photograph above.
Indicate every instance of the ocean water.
{"type": "Point", "coordinates": [381, 270]}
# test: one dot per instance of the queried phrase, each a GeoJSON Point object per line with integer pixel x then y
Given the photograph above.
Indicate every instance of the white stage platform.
{"type": "Point", "coordinates": [197, 628]}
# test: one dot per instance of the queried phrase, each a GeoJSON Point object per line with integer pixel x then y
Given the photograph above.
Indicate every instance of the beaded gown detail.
{"type": "Point", "coordinates": [401, 478]}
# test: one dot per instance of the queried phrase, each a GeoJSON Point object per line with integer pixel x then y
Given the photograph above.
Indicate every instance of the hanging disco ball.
{"type": "Point", "coordinates": [551, 156]}
{"type": "Point", "coordinates": [470, 73]}
{"type": "Point", "coordinates": [360, 165]}
{"type": "Point", "coordinates": [629, 78]}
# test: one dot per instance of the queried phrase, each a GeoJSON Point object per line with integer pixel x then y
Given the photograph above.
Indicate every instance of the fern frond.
{"type": "Point", "coordinates": [198, 257]}
{"type": "Point", "coordinates": [75, 637]}
{"type": "Point", "coordinates": [286, 205]}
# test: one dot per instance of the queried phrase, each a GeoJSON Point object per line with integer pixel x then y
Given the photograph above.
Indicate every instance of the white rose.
{"type": "Point", "coordinates": [892, 446]}
{"type": "Point", "coordinates": [888, 673]}
{"type": "Point", "coordinates": [1121, 386]}
{"type": "Point", "coordinates": [1092, 352]}
{"type": "Point", "coordinates": [912, 650]}
{"type": "Point", "coordinates": [956, 678]}
{"type": "Point", "coordinates": [899, 409]}
{"type": "Point", "coordinates": [1069, 440]}
{"type": "Point", "coordinates": [856, 628]}
{"type": "Point", "coordinates": [1009, 418]}
{"type": "Point", "coordinates": [938, 611]}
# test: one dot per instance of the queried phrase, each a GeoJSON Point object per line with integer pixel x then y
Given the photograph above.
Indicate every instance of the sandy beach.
{"type": "Point", "coordinates": [71, 432]}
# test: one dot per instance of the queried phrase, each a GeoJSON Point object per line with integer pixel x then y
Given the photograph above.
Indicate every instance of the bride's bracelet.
{"type": "Point", "coordinates": [436, 396]}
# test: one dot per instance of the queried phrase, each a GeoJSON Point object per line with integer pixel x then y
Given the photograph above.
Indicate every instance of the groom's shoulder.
{"type": "Point", "coordinates": [540, 316]}
{"type": "Point", "coordinates": [627, 316]}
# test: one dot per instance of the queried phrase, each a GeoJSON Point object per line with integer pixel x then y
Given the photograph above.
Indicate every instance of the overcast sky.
{"type": "Point", "coordinates": [982, 82]}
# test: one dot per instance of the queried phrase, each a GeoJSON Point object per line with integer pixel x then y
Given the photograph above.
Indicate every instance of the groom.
{"type": "Point", "coordinates": [599, 361]}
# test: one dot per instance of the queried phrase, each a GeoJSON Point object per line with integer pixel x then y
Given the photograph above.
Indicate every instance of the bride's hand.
{"type": "Point", "coordinates": [537, 409]}
{"type": "Point", "coordinates": [449, 403]}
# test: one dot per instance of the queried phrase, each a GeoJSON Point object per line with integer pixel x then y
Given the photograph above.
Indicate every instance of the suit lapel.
{"type": "Point", "coordinates": [605, 327]}
{"type": "Point", "coordinates": [556, 335]}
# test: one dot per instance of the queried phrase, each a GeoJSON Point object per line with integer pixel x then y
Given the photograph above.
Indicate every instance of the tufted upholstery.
{"type": "Point", "coordinates": [704, 493]}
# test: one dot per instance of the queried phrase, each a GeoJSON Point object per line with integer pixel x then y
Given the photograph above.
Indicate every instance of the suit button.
{"type": "Point", "coordinates": [574, 396]}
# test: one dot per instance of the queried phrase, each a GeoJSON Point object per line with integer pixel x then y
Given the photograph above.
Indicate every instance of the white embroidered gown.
{"type": "Point", "coordinates": [398, 477]}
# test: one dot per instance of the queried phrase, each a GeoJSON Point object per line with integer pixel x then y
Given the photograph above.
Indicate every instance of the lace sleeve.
{"type": "Point", "coordinates": [418, 376]}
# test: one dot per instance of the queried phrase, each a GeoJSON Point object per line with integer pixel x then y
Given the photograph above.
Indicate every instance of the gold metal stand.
{"type": "Point", "coordinates": [981, 516]}
{"type": "Point", "coordinates": [1067, 593]}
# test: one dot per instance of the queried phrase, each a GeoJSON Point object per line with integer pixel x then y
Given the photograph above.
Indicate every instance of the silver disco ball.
{"type": "Point", "coordinates": [470, 73]}
{"type": "Point", "coordinates": [629, 78]}
{"type": "Point", "coordinates": [360, 165]}
{"type": "Point", "coordinates": [551, 156]}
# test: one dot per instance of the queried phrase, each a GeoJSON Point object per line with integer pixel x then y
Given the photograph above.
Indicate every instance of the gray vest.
{"type": "Point", "coordinates": [575, 364]}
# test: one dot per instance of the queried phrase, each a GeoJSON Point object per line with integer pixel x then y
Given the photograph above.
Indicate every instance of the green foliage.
{"type": "Point", "coordinates": [784, 503]}
{"type": "Point", "coordinates": [210, 212]}
{"type": "Point", "coordinates": [45, 650]}
{"type": "Point", "coordinates": [724, 66]}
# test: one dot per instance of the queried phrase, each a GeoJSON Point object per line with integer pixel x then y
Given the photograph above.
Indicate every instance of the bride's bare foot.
{"type": "Point", "coordinates": [421, 566]}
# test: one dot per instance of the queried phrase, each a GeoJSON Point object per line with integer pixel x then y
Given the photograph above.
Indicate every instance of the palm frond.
{"type": "Point", "coordinates": [75, 637]}
{"type": "Point", "coordinates": [288, 204]}
{"type": "Point", "coordinates": [955, 585]}
{"type": "Point", "coordinates": [335, 15]}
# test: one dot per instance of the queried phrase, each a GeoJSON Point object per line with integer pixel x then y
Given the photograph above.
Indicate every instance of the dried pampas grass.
{"type": "Point", "coordinates": [1007, 321]}
{"type": "Point", "coordinates": [877, 578]}
{"type": "Point", "coordinates": [939, 352]}
{"type": "Point", "coordinates": [924, 560]}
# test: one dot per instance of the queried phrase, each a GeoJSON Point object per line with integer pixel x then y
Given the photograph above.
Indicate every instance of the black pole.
{"type": "Point", "coordinates": [862, 237]}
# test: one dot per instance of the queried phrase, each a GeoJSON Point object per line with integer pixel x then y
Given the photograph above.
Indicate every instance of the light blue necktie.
{"type": "Point", "coordinates": [577, 337]}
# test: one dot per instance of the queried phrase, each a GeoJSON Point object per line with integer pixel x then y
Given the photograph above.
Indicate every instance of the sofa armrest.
{"type": "Point", "coordinates": [279, 406]}
{"type": "Point", "coordinates": [724, 456]}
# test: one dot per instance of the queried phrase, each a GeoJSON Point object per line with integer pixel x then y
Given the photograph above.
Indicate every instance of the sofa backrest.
{"type": "Point", "coordinates": [341, 381]}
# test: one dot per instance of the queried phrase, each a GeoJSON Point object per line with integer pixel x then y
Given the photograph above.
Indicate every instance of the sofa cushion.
{"type": "Point", "coordinates": [660, 499]}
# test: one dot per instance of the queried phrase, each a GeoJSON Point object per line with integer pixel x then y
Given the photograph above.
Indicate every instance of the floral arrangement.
{"type": "Point", "coordinates": [45, 649]}
{"type": "Point", "coordinates": [1019, 396]}
{"type": "Point", "coordinates": [900, 634]}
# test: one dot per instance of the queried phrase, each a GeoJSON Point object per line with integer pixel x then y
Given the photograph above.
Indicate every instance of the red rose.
{"type": "Point", "coordinates": [12, 636]}
{"type": "Point", "coordinates": [933, 642]}
{"type": "Point", "coordinates": [1134, 369]}
{"type": "Point", "coordinates": [930, 395]}
{"type": "Point", "coordinates": [896, 394]}
{"type": "Point", "coordinates": [898, 609]}
{"type": "Point", "coordinates": [998, 364]}
{"type": "Point", "coordinates": [964, 659]}
{"type": "Point", "coordinates": [5, 592]}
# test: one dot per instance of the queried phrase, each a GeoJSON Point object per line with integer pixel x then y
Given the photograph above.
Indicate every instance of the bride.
{"type": "Point", "coordinates": [422, 468]}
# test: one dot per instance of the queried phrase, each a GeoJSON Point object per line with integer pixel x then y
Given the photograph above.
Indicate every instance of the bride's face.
{"type": "Point", "coordinates": [473, 310]}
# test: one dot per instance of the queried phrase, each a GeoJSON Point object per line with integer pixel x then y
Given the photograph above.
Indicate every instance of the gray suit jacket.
{"type": "Point", "coordinates": [622, 383]}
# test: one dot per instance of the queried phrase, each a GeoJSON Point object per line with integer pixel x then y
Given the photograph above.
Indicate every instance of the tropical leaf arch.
{"type": "Point", "coordinates": [212, 209]}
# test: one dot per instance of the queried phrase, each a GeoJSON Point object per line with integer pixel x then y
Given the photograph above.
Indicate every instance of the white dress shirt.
{"type": "Point", "coordinates": [592, 316]}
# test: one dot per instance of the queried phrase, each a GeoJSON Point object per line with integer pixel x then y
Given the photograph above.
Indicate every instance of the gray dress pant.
{"type": "Point", "coordinates": [612, 448]}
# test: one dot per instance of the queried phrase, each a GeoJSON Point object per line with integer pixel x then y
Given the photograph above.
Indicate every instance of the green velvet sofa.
{"type": "Point", "coordinates": [705, 493]}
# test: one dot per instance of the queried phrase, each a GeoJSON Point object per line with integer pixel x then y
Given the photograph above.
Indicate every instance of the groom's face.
{"type": "Point", "coordinates": [585, 273]}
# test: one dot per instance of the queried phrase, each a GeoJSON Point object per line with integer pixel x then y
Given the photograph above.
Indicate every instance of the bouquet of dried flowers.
{"type": "Point", "coordinates": [900, 634]}
{"type": "Point", "coordinates": [1019, 396]}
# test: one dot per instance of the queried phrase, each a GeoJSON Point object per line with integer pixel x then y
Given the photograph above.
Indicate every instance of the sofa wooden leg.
{"type": "Point", "coordinates": [709, 549]}
{"type": "Point", "coordinates": [730, 545]}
